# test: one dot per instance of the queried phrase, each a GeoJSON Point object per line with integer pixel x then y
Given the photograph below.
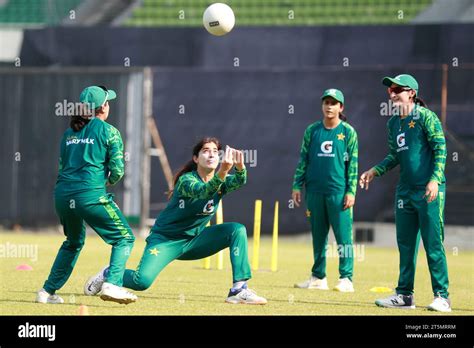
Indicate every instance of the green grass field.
{"type": "Point", "coordinates": [184, 288]}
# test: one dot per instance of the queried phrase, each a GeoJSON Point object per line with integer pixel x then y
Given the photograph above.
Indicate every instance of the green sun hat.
{"type": "Point", "coordinates": [334, 93]}
{"type": "Point", "coordinates": [403, 80]}
{"type": "Point", "coordinates": [95, 96]}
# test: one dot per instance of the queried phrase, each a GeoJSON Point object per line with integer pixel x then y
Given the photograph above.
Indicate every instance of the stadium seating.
{"type": "Point", "coordinates": [155, 13]}
{"type": "Point", "coordinates": [34, 12]}
{"type": "Point", "coordinates": [277, 12]}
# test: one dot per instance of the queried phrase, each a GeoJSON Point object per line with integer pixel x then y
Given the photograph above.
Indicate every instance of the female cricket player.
{"type": "Point", "coordinates": [91, 157]}
{"type": "Point", "coordinates": [417, 144]}
{"type": "Point", "coordinates": [180, 231]}
{"type": "Point", "coordinates": [328, 170]}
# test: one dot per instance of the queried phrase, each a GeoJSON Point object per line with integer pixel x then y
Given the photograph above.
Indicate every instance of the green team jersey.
{"type": "Point", "coordinates": [328, 160]}
{"type": "Point", "coordinates": [417, 143]}
{"type": "Point", "coordinates": [194, 203]}
{"type": "Point", "coordinates": [89, 157]}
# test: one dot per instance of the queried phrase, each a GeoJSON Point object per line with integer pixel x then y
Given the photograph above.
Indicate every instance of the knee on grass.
{"type": "Point", "coordinates": [142, 283]}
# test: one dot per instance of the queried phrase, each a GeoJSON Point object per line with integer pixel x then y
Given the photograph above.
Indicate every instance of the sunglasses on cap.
{"type": "Point", "coordinates": [397, 90]}
{"type": "Point", "coordinates": [106, 94]}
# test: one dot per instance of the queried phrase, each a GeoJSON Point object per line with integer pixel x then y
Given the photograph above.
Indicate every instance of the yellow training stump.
{"type": "Point", "coordinates": [256, 233]}
{"type": "Point", "coordinates": [274, 261]}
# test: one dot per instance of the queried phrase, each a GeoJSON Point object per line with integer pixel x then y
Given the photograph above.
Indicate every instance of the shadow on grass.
{"type": "Point", "coordinates": [62, 304]}
{"type": "Point", "coordinates": [64, 295]}
{"type": "Point", "coordinates": [199, 298]}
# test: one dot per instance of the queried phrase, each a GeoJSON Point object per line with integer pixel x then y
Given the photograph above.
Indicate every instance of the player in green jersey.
{"type": "Point", "coordinates": [91, 158]}
{"type": "Point", "coordinates": [416, 142]}
{"type": "Point", "coordinates": [328, 170]}
{"type": "Point", "coordinates": [180, 231]}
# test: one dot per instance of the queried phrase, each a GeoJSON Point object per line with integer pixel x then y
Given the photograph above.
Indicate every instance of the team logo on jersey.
{"type": "Point", "coordinates": [209, 207]}
{"type": "Point", "coordinates": [326, 148]}
{"type": "Point", "coordinates": [401, 139]}
{"type": "Point", "coordinates": [401, 142]}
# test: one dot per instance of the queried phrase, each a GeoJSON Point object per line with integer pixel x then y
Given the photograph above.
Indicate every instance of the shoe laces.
{"type": "Point", "coordinates": [400, 297]}
{"type": "Point", "coordinates": [54, 297]}
{"type": "Point", "coordinates": [97, 283]}
{"type": "Point", "coordinates": [248, 293]}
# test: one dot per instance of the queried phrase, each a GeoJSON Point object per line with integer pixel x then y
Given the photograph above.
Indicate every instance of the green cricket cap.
{"type": "Point", "coordinates": [334, 93]}
{"type": "Point", "coordinates": [96, 96]}
{"type": "Point", "coordinates": [403, 80]}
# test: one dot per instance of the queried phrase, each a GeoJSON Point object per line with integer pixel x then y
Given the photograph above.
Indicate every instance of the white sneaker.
{"type": "Point", "coordinates": [244, 296]}
{"type": "Point", "coordinates": [440, 304]}
{"type": "Point", "coordinates": [44, 297]}
{"type": "Point", "coordinates": [313, 283]}
{"type": "Point", "coordinates": [94, 284]}
{"type": "Point", "coordinates": [397, 301]}
{"type": "Point", "coordinates": [114, 293]}
{"type": "Point", "coordinates": [344, 285]}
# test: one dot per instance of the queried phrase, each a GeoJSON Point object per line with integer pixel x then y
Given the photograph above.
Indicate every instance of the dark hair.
{"type": "Point", "coordinates": [420, 101]}
{"type": "Point", "coordinates": [341, 115]}
{"type": "Point", "coordinates": [191, 165]}
{"type": "Point", "coordinates": [78, 122]}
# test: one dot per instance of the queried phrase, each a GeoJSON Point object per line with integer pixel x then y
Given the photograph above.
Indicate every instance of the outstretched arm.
{"type": "Point", "coordinates": [390, 161]}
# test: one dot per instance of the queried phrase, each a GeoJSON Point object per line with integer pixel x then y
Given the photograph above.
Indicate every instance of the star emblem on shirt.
{"type": "Point", "coordinates": [154, 251]}
{"type": "Point", "coordinates": [411, 124]}
{"type": "Point", "coordinates": [308, 213]}
{"type": "Point", "coordinates": [340, 136]}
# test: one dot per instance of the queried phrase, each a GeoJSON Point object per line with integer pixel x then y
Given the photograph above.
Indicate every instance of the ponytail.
{"type": "Point", "coordinates": [420, 102]}
{"type": "Point", "coordinates": [83, 115]}
{"type": "Point", "coordinates": [188, 167]}
{"type": "Point", "coordinates": [78, 122]}
{"type": "Point", "coordinates": [343, 117]}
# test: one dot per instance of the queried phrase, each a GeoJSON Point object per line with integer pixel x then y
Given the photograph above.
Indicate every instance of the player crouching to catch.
{"type": "Point", "coordinates": [180, 231]}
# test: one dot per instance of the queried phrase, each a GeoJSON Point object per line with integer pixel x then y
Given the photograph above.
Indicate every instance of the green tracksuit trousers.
{"type": "Point", "coordinates": [326, 210]}
{"type": "Point", "coordinates": [414, 217]}
{"type": "Point", "coordinates": [160, 251]}
{"type": "Point", "coordinates": [100, 212]}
